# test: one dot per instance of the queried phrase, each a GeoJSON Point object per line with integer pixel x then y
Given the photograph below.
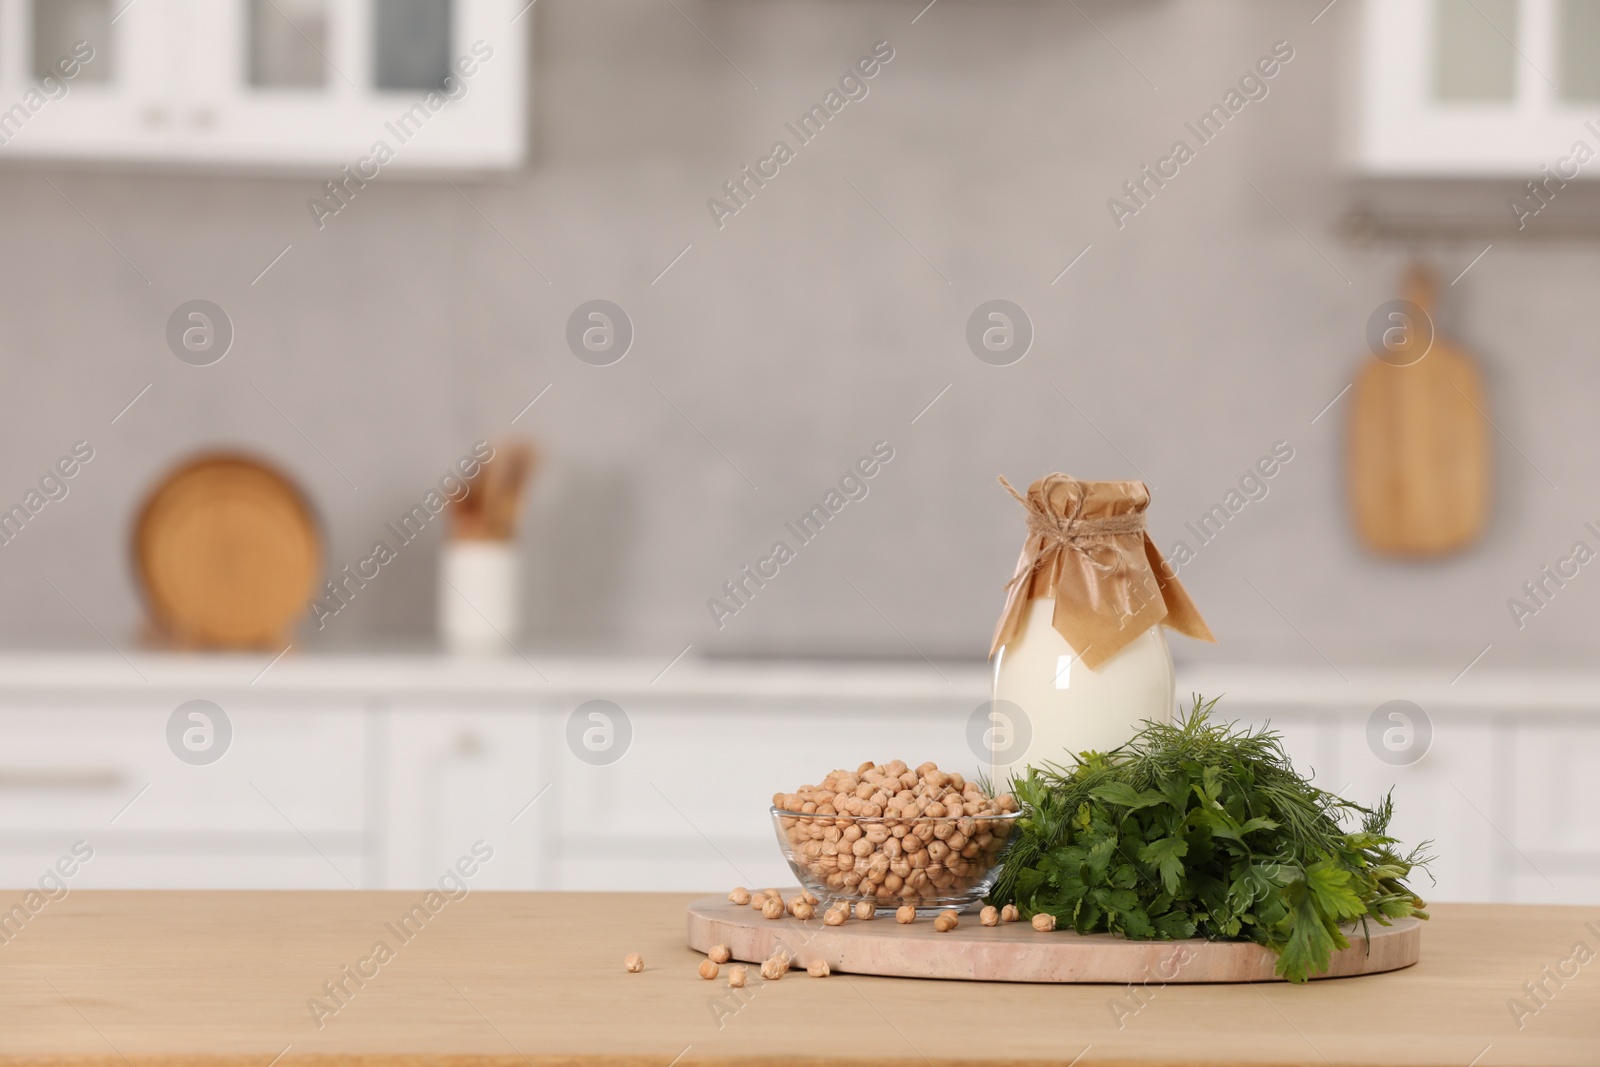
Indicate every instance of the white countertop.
{"type": "Point", "coordinates": [423, 674]}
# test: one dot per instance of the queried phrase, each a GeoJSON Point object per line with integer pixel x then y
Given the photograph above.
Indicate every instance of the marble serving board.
{"type": "Point", "coordinates": [1016, 952]}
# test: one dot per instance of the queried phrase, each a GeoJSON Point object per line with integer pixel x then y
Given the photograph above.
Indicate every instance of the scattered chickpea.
{"type": "Point", "coordinates": [708, 970]}
{"type": "Point", "coordinates": [772, 970]}
{"type": "Point", "coordinates": [946, 921]}
{"type": "Point", "coordinates": [834, 917]}
{"type": "Point", "coordinates": [989, 916]}
{"type": "Point", "coordinates": [634, 963]}
{"type": "Point", "coordinates": [719, 954]}
{"type": "Point", "coordinates": [810, 897]}
{"type": "Point", "coordinates": [818, 968]}
{"type": "Point", "coordinates": [804, 911]}
{"type": "Point", "coordinates": [905, 913]}
{"type": "Point", "coordinates": [736, 977]}
{"type": "Point", "coordinates": [865, 909]}
{"type": "Point", "coordinates": [740, 895]}
{"type": "Point", "coordinates": [1009, 914]}
{"type": "Point", "coordinates": [773, 908]}
{"type": "Point", "coordinates": [1044, 922]}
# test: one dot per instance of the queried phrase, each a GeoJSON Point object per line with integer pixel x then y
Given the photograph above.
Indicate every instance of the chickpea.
{"type": "Point", "coordinates": [946, 921]}
{"type": "Point", "coordinates": [804, 911]}
{"type": "Point", "coordinates": [792, 903]}
{"type": "Point", "coordinates": [719, 954]}
{"type": "Point", "coordinates": [989, 916]}
{"type": "Point", "coordinates": [818, 968]}
{"type": "Point", "coordinates": [834, 917]}
{"type": "Point", "coordinates": [634, 963]}
{"type": "Point", "coordinates": [770, 971]}
{"type": "Point", "coordinates": [773, 908]}
{"type": "Point", "coordinates": [865, 910]}
{"type": "Point", "coordinates": [736, 977]}
{"type": "Point", "coordinates": [1044, 922]}
{"type": "Point", "coordinates": [905, 913]}
{"type": "Point", "coordinates": [740, 895]}
{"type": "Point", "coordinates": [708, 970]}
{"type": "Point", "coordinates": [1009, 914]}
{"type": "Point", "coordinates": [810, 897]}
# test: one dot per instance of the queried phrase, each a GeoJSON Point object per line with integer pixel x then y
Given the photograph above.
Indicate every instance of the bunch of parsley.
{"type": "Point", "coordinates": [1203, 829]}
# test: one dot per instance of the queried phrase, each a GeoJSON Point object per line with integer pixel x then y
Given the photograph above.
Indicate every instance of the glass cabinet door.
{"type": "Point", "coordinates": [283, 83]}
{"type": "Point", "coordinates": [1476, 87]}
{"type": "Point", "coordinates": [62, 30]}
{"type": "Point", "coordinates": [287, 44]}
{"type": "Point", "coordinates": [90, 77]}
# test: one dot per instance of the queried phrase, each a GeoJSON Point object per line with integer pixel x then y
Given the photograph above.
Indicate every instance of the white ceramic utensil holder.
{"type": "Point", "coordinates": [479, 596]}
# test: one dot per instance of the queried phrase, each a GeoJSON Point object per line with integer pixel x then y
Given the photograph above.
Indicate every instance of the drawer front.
{"type": "Point", "coordinates": [129, 864]}
{"type": "Point", "coordinates": [686, 805]}
{"type": "Point", "coordinates": [109, 772]}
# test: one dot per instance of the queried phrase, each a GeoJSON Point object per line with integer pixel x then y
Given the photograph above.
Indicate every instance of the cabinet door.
{"type": "Point", "coordinates": [352, 87]}
{"type": "Point", "coordinates": [458, 777]}
{"type": "Point", "coordinates": [1478, 87]}
{"type": "Point", "coordinates": [358, 86]}
{"type": "Point", "coordinates": [89, 78]}
{"type": "Point", "coordinates": [684, 806]}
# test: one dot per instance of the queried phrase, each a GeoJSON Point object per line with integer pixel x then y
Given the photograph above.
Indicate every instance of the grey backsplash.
{"type": "Point", "coordinates": [809, 327]}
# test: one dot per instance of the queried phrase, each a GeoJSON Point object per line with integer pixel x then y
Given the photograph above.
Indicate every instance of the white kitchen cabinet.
{"type": "Point", "coordinates": [1479, 88]}
{"type": "Point", "coordinates": [353, 88]}
{"type": "Point", "coordinates": [287, 805]}
{"type": "Point", "coordinates": [384, 771]}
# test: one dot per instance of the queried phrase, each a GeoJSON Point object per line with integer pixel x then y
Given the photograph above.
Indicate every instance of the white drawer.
{"type": "Point", "coordinates": [103, 772]}
{"type": "Point", "coordinates": [126, 864]}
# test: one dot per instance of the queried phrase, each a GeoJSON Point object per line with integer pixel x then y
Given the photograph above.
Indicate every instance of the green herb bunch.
{"type": "Point", "coordinates": [1203, 829]}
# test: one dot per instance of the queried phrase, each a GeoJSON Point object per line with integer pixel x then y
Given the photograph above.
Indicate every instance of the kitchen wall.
{"type": "Point", "coordinates": [823, 317]}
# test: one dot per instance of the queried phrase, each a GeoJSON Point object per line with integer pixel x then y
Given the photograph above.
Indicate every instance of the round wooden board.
{"type": "Point", "coordinates": [227, 551]}
{"type": "Point", "coordinates": [1016, 952]}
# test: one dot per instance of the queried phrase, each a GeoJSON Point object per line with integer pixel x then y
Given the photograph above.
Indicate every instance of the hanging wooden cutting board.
{"type": "Point", "coordinates": [228, 553]}
{"type": "Point", "coordinates": [1420, 461]}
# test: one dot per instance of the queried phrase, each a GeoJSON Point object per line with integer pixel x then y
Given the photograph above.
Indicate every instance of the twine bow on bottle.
{"type": "Point", "coordinates": [1072, 532]}
{"type": "Point", "coordinates": [1088, 549]}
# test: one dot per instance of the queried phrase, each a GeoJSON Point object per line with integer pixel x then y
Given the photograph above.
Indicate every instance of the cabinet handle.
{"type": "Point", "coordinates": [61, 778]}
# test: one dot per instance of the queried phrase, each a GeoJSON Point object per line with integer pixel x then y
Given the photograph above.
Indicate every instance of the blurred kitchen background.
{"type": "Point", "coordinates": [1219, 315]}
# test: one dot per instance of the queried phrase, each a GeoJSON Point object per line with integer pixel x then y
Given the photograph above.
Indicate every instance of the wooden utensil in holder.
{"type": "Point", "coordinates": [489, 510]}
{"type": "Point", "coordinates": [479, 568]}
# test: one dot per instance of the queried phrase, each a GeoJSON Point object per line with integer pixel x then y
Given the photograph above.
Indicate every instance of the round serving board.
{"type": "Point", "coordinates": [1016, 952]}
{"type": "Point", "coordinates": [227, 551]}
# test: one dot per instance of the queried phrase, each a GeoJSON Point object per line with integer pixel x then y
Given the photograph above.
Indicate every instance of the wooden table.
{"type": "Point", "coordinates": [115, 979]}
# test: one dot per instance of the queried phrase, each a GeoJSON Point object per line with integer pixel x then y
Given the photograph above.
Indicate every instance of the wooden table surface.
{"type": "Point", "coordinates": [129, 979]}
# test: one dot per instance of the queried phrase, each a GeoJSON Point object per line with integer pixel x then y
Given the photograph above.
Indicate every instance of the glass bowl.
{"type": "Point", "coordinates": [857, 857]}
